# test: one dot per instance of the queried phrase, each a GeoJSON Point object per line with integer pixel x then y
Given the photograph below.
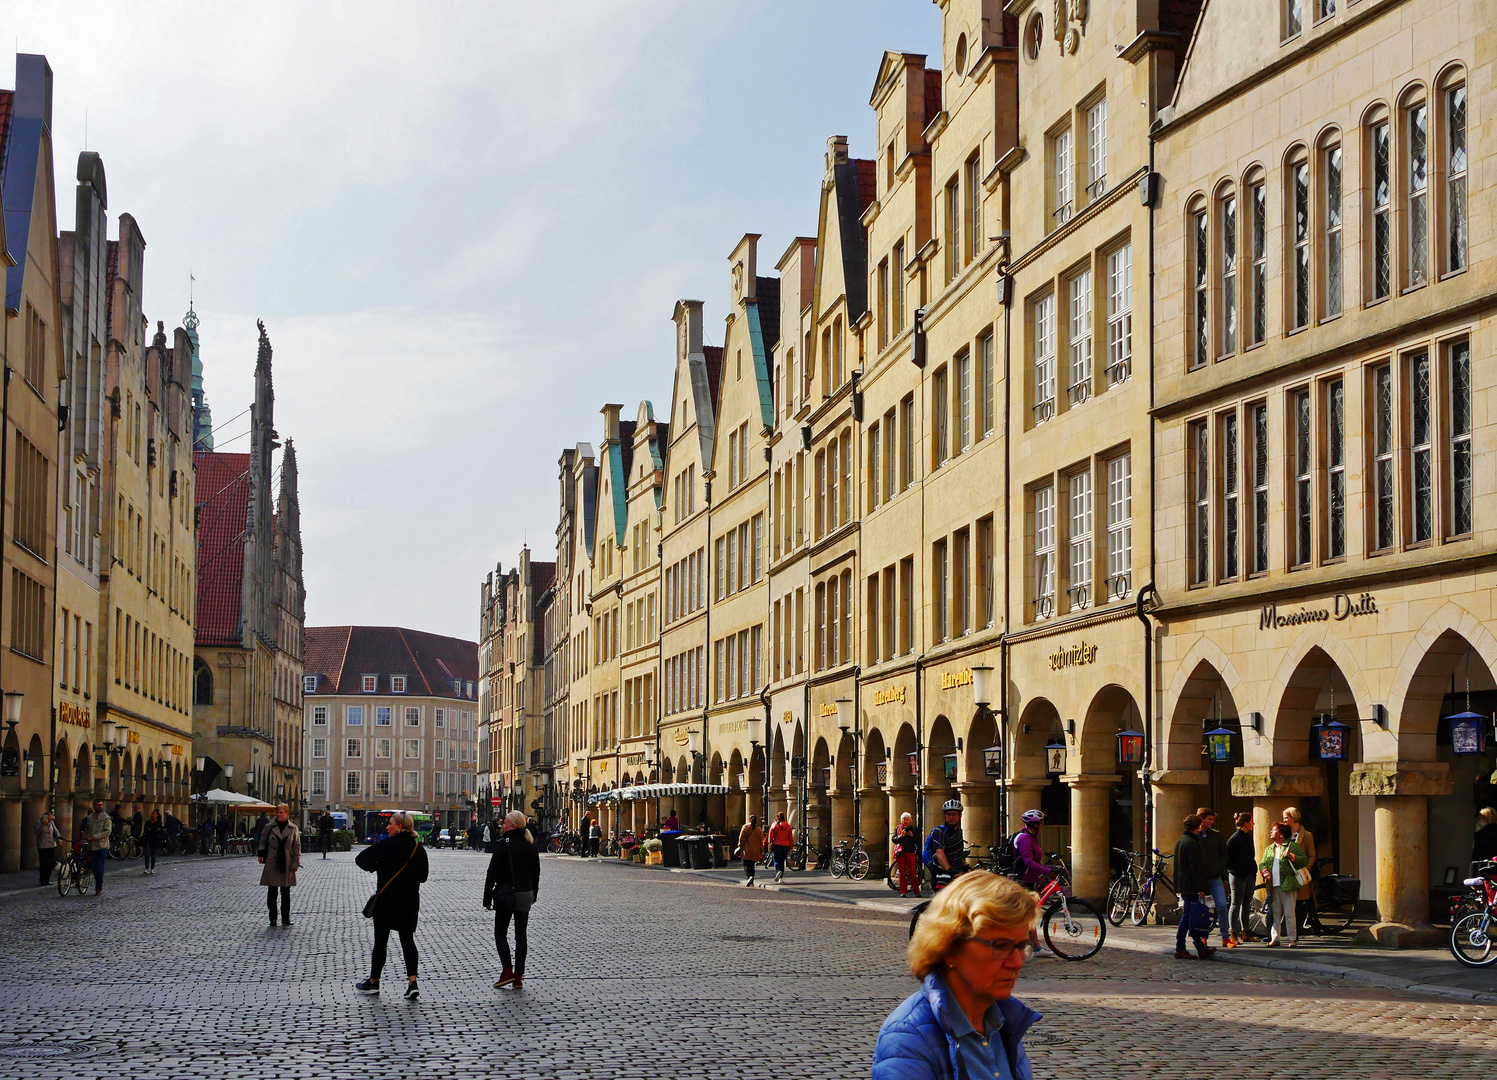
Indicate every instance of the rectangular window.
{"type": "Point", "coordinates": [319, 782]}
{"type": "Point", "coordinates": [351, 784]}
{"type": "Point", "coordinates": [938, 595]}
{"type": "Point", "coordinates": [986, 422]}
{"type": "Point", "coordinates": [1231, 512]}
{"type": "Point", "coordinates": [382, 716]}
{"type": "Point", "coordinates": [384, 748]}
{"type": "Point", "coordinates": [1044, 358]}
{"type": "Point", "coordinates": [875, 465]}
{"type": "Point", "coordinates": [974, 207]}
{"type": "Point", "coordinates": [1079, 535]}
{"type": "Point", "coordinates": [1044, 552]}
{"type": "Point", "coordinates": [883, 305]}
{"type": "Point", "coordinates": [437, 786]}
{"type": "Point", "coordinates": [36, 352]}
{"type": "Point", "coordinates": [319, 715]}
{"type": "Point", "coordinates": [1200, 296]}
{"type": "Point", "coordinates": [30, 509]}
{"type": "Point", "coordinates": [720, 565]}
{"type": "Point", "coordinates": [1080, 294]}
{"type": "Point", "coordinates": [353, 748]}
{"type": "Point", "coordinates": [940, 434]}
{"type": "Point", "coordinates": [412, 783]}
{"type": "Point", "coordinates": [1460, 438]}
{"type": "Point", "coordinates": [1324, 9]}
{"type": "Point", "coordinates": [412, 751]}
{"type": "Point", "coordinates": [1299, 258]}
{"type": "Point", "coordinates": [382, 782]}
{"type": "Point", "coordinates": [1096, 150]}
{"type": "Point", "coordinates": [319, 748]}
{"type": "Point", "coordinates": [1418, 195]}
{"type": "Point", "coordinates": [962, 402]}
{"type": "Point", "coordinates": [1382, 460]}
{"type": "Point", "coordinates": [353, 715]}
{"type": "Point", "coordinates": [397, 684]}
{"type": "Point", "coordinates": [985, 592]}
{"type": "Point", "coordinates": [1421, 442]}
{"type": "Point", "coordinates": [1119, 315]}
{"type": "Point", "coordinates": [1335, 456]}
{"type": "Point", "coordinates": [1304, 462]}
{"type": "Point", "coordinates": [1294, 15]}
{"type": "Point", "coordinates": [441, 719]}
{"type": "Point", "coordinates": [756, 659]}
{"type": "Point", "coordinates": [1065, 178]}
{"type": "Point", "coordinates": [897, 270]}
{"type": "Point", "coordinates": [907, 442]}
{"type": "Point", "coordinates": [906, 605]}
{"type": "Point", "coordinates": [1455, 179]}
{"type": "Point", "coordinates": [1382, 206]}
{"type": "Point", "coordinates": [309, 684]}
{"type": "Point", "coordinates": [370, 684]}
{"type": "Point", "coordinates": [1228, 283]}
{"type": "Point", "coordinates": [1200, 473]}
{"type": "Point", "coordinates": [1258, 275]}
{"type": "Point", "coordinates": [961, 582]}
{"type": "Point", "coordinates": [1120, 526]}
{"type": "Point", "coordinates": [953, 228]}
{"type": "Point", "coordinates": [1259, 414]}
{"type": "Point", "coordinates": [1333, 231]}
{"type": "Point", "coordinates": [413, 716]}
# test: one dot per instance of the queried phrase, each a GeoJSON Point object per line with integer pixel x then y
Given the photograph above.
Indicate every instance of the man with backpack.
{"type": "Point", "coordinates": [945, 851]}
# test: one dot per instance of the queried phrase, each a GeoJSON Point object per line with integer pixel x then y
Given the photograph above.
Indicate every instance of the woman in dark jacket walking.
{"type": "Point", "coordinates": [509, 890]}
{"type": "Point", "coordinates": [152, 834]}
{"type": "Point", "coordinates": [399, 865]}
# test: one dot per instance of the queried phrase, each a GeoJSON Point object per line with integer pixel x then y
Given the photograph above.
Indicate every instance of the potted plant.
{"type": "Point", "coordinates": [654, 856]}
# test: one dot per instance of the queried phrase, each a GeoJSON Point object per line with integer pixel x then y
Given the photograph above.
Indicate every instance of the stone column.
{"type": "Point", "coordinates": [901, 801]}
{"type": "Point", "coordinates": [64, 817]}
{"type": "Point", "coordinates": [1091, 796]}
{"type": "Point", "coordinates": [1401, 829]}
{"type": "Point", "coordinates": [735, 813]}
{"type": "Point", "coordinates": [1175, 798]}
{"type": "Point", "coordinates": [979, 815]}
{"type": "Point", "coordinates": [10, 834]}
{"type": "Point", "coordinates": [841, 817]}
{"type": "Point", "coordinates": [31, 812]}
{"type": "Point", "coordinates": [1022, 795]}
{"type": "Point", "coordinates": [876, 829]}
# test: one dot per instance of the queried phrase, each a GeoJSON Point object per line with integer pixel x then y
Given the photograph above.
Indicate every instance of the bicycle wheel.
{"type": "Point", "coordinates": [839, 865]}
{"type": "Point", "coordinates": [80, 879]}
{"type": "Point", "coordinates": [1138, 912]}
{"type": "Point", "coordinates": [1335, 918]}
{"type": "Point", "coordinates": [796, 860]}
{"type": "Point", "coordinates": [1074, 930]}
{"type": "Point", "coordinates": [553, 845]}
{"type": "Point", "coordinates": [1120, 899]}
{"type": "Point", "coordinates": [132, 850]}
{"type": "Point", "coordinates": [63, 884]}
{"type": "Point", "coordinates": [891, 876]}
{"type": "Point", "coordinates": [1471, 940]}
{"type": "Point", "coordinates": [1259, 918]}
{"type": "Point", "coordinates": [857, 865]}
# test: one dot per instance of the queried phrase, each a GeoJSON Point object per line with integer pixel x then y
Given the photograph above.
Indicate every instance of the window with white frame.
{"type": "Point", "coordinates": [319, 748]}
{"type": "Point", "coordinates": [397, 684]}
{"type": "Point", "coordinates": [1455, 178]}
{"type": "Point", "coordinates": [1120, 315]}
{"type": "Point", "coordinates": [370, 684]}
{"type": "Point", "coordinates": [1294, 17]}
{"type": "Point", "coordinates": [384, 748]}
{"type": "Point", "coordinates": [319, 715]}
{"type": "Point", "coordinates": [940, 428]}
{"type": "Point", "coordinates": [1044, 358]}
{"type": "Point", "coordinates": [986, 422]}
{"type": "Point", "coordinates": [436, 786]}
{"type": "Point", "coordinates": [382, 716]}
{"type": "Point", "coordinates": [413, 716]}
{"type": "Point", "coordinates": [1065, 176]}
{"type": "Point", "coordinates": [382, 782]}
{"type": "Point", "coordinates": [353, 715]}
{"type": "Point", "coordinates": [309, 684]}
{"type": "Point", "coordinates": [412, 749]}
{"type": "Point", "coordinates": [319, 782]}
{"type": "Point", "coordinates": [1120, 526]}
{"type": "Point", "coordinates": [441, 715]}
{"type": "Point", "coordinates": [352, 783]}
{"type": "Point", "coordinates": [412, 786]}
{"type": "Point", "coordinates": [962, 403]}
{"type": "Point", "coordinates": [439, 750]}
{"type": "Point", "coordinates": [1079, 537]}
{"type": "Point", "coordinates": [1079, 291]}
{"type": "Point", "coordinates": [354, 748]}
{"type": "Point", "coordinates": [1096, 150]}
{"type": "Point", "coordinates": [1044, 551]}
{"type": "Point", "coordinates": [938, 600]}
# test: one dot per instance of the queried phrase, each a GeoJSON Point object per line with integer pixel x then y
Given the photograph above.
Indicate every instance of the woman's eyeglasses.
{"type": "Point", "coordinates": [1002, 950]}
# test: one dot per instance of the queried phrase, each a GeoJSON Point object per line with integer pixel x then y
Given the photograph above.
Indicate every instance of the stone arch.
{"type": "Point", "coordinates": [202, 682]}
{"type": "Point", "coordinates": [1036, 722]}
{"type": "Point", "coordinates": [875, 753]}
{"type": "Point", "coordinates": [1205, 649]}
{"type": "Point", "coordinates": [1111, 709]}
{"type": "Point", "coordinates": [846, 756]}
{"type": "Point", "coordinates": [1313, 679]}
{"type": "Point", "coordinates": [981, 734]}
{"type": "Point", "coordinates": [777, 760]}
{"type": "Point", "coordinates": [36, 783]}
{"type": "Point", "coordinates": [735, 770]}
{"type": "Point", "coordinates": [1203, 693]}
{"type": "Point", "coordinates": [83, 770]}
{"type": "Point", "coordinates": [904, 746]}
{"type": "Point", "coordinates": [62, 761]}
{"type": "Point", "coordinates": [1435, 654]}
{"type": "Point", "coordinates": [715, 768]}
{"type": "Point", "coordinates": [820, 757]}
{"type": "Point", "coordinates": [939, 743]}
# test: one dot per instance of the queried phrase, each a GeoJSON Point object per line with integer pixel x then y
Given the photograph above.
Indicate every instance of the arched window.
{"type": "Point", "coordinates": [202, 684]}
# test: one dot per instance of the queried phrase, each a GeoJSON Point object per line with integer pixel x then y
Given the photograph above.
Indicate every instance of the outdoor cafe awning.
{"type": "Point", "coordinates": [656, 791]}
{"type": "Point", "coordinates": [234, 801]}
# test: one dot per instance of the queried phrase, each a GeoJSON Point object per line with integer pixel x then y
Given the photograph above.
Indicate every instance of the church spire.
{"type": "Point", "coordinates": [202, 415]}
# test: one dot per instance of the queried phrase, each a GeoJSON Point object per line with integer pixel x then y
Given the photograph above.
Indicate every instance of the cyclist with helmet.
{"type": "Point", "coordinates": [1029, 857]}
{"type": "Point", "coordinates": [945, 852]}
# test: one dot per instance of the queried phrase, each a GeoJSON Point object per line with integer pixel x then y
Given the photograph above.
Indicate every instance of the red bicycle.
{"type": "Point", "coordinates": [1073, 928]}
{"type": "Point", "coordinates": [1473, 938]}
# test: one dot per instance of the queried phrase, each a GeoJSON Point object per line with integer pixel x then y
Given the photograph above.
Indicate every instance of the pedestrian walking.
{"type": "Point", "coordinates": [487, 836]}
{"type": "Point", "coordinates": [594, 838]}
{"type": "Point", "coordinates": [325, 830]}
{"type": "Point", "coordinates": [279, 850]}
{"type": "Point", "coordinates": [1283, 859]}
{"type": "Point", "coordinates": [152, 834]}
{"type": "Point", "coordinates": [907, 855]}
{"type": "Point", "coordinates": [967, 950]}
{"type": "Point", "coordinates": [1190, 886]}
{"type": "Point", "coordinates": [222, 829]}
{"type": "Point", "coordinates": [509, 891]}
{"type": "Point", "coordinates": [205, 827]}
{"type": "Point", "coordinates": [781, 838]}
{"type": "Point", "coordinates": [400, 866]}
{"type": "Point", "coordinates": [48, 836]}
{"type": "Point", "coordinates": [137, 822]}
{"type": "Point", "coordinates": [1484, 845]}
{"type": "Point", "coordinates": [750, 847]}
{"type": "Point", "coordinates": [1300, 834]}
{"type": "Point", "coordinates": [95, 832]}
{"type": "Point", "coordinates": [1214, 866]}
{"type": "Point", "coordinates": [1242, 875]}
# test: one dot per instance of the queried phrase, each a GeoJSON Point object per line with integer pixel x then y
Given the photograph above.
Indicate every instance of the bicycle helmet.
{"type": "Point", "coordinates": [951, 804]}
{"type": "Point", "coordinates": [1033, 817]}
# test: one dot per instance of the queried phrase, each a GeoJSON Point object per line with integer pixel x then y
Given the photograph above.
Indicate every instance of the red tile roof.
{"type": "Point", "coordinates": [223, 495]}
{"type": "Point", "coordinates": [433, 665]}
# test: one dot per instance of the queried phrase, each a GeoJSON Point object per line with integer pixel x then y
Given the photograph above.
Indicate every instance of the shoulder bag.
{"type": "Point", "coordinates": [369, 905]}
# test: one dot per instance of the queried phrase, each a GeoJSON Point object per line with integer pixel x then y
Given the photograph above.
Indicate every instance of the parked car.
{"type": "Point", "coordinates": [447, 838]}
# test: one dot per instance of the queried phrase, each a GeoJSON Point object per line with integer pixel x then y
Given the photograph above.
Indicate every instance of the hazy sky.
{"type": "Point", "coordinates": [465, 226]}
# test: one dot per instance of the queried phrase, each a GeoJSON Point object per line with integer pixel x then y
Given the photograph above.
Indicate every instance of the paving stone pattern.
{"type": "Point", "coordinates": [632, 973]}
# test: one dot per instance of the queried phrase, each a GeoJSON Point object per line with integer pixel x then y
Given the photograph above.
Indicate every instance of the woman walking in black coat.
{"type": "Point", "coordinates": [399, 864]}
{"type": "Point", "coordinates": [509, 890]}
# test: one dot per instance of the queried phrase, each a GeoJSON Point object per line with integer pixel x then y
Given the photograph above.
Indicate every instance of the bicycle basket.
{"type": "Point", "coordinates": [1337, 889]}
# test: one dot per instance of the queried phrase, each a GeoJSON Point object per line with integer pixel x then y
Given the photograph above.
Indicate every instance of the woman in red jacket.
{"type": "Point", "coordinates": [781, 838]}
{"type": "Point", "coordinates": [907, 855]}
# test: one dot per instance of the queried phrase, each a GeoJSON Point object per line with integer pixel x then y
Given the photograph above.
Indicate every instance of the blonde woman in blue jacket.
{"type": "Point", "coordinates": [1282, 859]}
{"type": "Point", "coordinates": [967, 951]}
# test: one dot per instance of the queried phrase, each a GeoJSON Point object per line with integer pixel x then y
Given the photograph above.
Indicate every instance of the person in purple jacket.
{"type": "Point", "coordinates": [1029, 857]}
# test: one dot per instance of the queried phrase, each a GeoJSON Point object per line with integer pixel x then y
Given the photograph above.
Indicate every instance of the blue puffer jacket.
{"type": "Point", "coordinates": [914, 1044]}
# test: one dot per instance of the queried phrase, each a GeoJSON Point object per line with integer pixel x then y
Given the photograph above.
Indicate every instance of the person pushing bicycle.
{"type": "Point", "coordinates": [945, 850]}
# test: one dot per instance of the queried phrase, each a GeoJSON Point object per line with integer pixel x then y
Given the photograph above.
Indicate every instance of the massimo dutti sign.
{"type": "Point", "coordinates": [1342, 607]}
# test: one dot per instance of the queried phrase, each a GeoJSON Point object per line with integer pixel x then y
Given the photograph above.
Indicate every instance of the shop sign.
{"type": "Point", "coordinates": [728, 727]}
{"type": "Point", "coordinates": [681, 737]}
{"type": "Point", "coordinates": [77, 715]}
{"type": "Point", "coordinates": [828, 708]}
{"type": "Point", "coordinates": [1073, 656]}
{"type": "Point", "coordinates": [1342, 607]}
{"type": "Point", "coordinates": [890, 696]}
{"type": "Point", "coordinates": [950, 680]}
{"type": "Point", "coordinates": [134, 737]}
{"type": "Point", "coordinates": [635, 759]}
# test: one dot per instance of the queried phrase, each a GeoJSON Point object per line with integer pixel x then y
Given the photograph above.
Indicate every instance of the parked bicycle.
{"type": "Point", "coordinates": [124, 846]}
{"type": "Point", "coordinates": [73, 872]}
{"type": "Point", "coordinates": [1143, 901]}
{"type": "Point", "coordinates": [801, 853]}
{"type": "Point", "coordinates": [1473, 938]}
{"type": "Point", "coordinates": [1125, 887]}
{"type": "Point", "coordinates": [1332, 907]}
{"type": "Point", "coordinates": [849, 858]}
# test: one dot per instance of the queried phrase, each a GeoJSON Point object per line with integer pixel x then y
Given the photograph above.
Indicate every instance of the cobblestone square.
{"type": "Point", "coordinates": [633, 973]}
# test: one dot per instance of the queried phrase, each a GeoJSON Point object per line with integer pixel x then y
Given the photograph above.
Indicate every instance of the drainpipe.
{"type": "Point", "coordinates": [1003, 642]}
{"type": "Point", "coordinates": [805, 767]}
{"type": "Point", "coordinates": [857, 751]}
{"type": "Point", "coordinates": [1148, 763]}
{"type": "Point", "coordinates": [768, 723]}
{"type": "Point", "coordinates": [920, 745]}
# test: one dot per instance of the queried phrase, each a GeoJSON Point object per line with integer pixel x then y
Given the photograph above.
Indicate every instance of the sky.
{"type": "Point", "coordinates": [465, 226]}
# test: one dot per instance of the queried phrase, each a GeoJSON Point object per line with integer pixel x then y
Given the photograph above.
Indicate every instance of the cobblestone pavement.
{"type": "Point", "coordinates": [632, 974]}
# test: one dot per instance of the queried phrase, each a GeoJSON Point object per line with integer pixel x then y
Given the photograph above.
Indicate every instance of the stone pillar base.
{"type": "Point", "coordinates": [1391, 935]}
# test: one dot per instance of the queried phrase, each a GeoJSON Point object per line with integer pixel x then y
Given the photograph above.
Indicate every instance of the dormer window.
{"type": "Point", "coordinates": [397, 684]}
{"type": "Point", "coordinates": [309, 684]}
{"type": "Point", "coordinates": [371, 684]}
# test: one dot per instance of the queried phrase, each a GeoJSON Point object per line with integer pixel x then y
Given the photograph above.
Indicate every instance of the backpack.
{"type": "Point", "coordinates": [1006, 855]}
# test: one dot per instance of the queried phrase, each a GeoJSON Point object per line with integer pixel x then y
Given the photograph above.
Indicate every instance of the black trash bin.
{"type": "Point", "coordinates": [693, 852]}
{"type": "Point", "coordinates": [718, 847]}
{"type": "Point", "coordinates": [670, 849]}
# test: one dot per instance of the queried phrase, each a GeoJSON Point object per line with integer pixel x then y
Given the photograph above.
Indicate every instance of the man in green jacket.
{"type": "Point", "coordinates": [1190, 885]}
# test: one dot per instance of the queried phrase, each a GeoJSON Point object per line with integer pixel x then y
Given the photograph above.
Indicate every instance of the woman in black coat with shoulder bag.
{"type": "Point", "coordinates": [509, 890]}
{"type": "Point", "coordinates": [399, 865]}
